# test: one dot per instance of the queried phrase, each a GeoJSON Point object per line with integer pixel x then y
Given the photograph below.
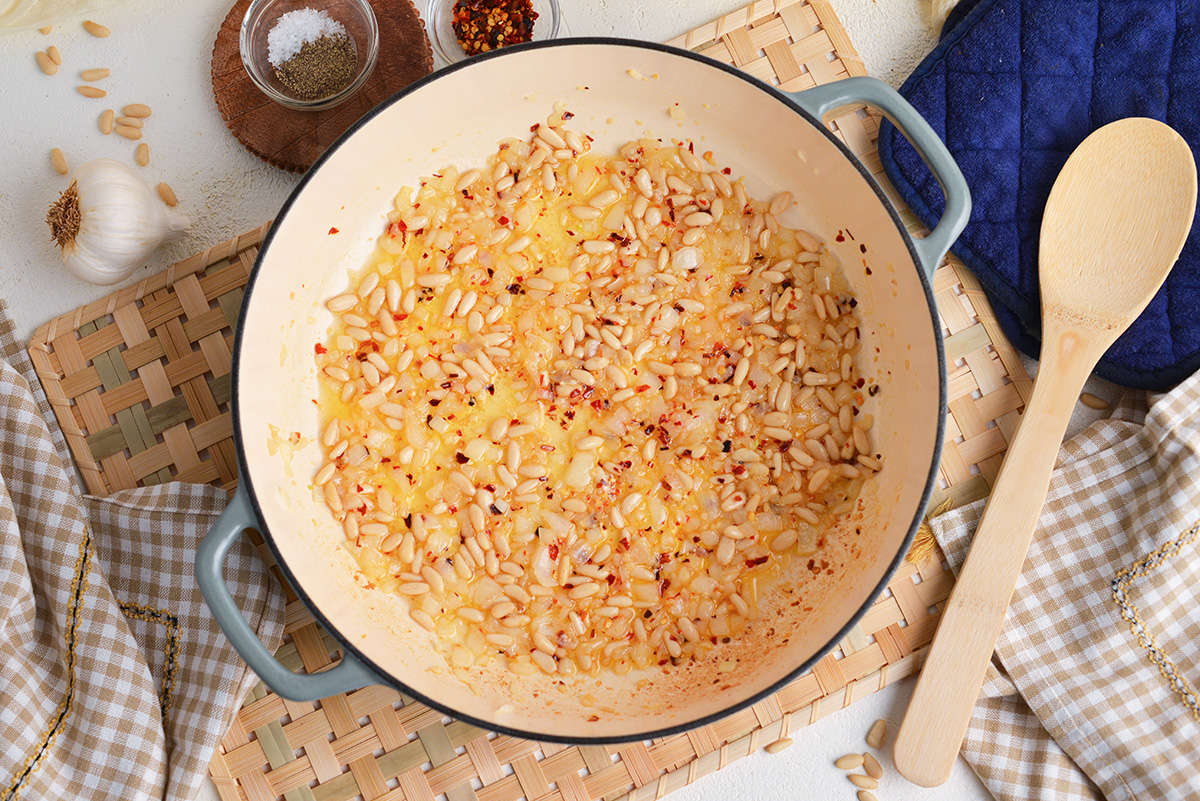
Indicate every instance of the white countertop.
{"type": "Point", "coordinates": [159, 55]}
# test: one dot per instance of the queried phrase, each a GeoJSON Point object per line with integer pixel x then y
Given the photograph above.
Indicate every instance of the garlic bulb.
{"type": "Point", "coordinates": [109, 220]}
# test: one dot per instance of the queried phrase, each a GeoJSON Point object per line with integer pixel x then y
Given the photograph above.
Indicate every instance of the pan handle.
{"type": "Point", "coordinates": [350, 674]}
{"type": "Point", "coordinates": [820, 100]}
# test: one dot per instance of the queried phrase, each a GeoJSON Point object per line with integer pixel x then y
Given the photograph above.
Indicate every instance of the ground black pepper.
{"type": "Point", "coordinates": [322, 67]}
{"type": "Point", "coordinates": [483, 25]}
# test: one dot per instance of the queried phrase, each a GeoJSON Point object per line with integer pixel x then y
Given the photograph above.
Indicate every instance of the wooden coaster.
{"type": "Point", "coordinates": [293, 140]}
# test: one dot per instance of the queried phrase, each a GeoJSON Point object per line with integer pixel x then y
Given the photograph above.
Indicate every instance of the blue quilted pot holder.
{"type": "Point", "coordinates": [1013, 87]}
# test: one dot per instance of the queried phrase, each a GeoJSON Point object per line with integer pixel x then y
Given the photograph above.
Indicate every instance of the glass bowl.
{"type": "Point", "coordinates": [439, 19]}
{"type": "Point", "coordinates": [355, 16]}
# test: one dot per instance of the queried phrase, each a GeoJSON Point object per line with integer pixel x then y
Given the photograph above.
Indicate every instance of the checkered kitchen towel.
{"type": "Point", "coordinates": [114, 680]}
{"type": "Point", "coordinates": [1092, 693]}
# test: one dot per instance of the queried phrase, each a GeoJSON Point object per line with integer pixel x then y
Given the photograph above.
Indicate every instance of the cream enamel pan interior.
{"type": "Point", "coordinates": [458, 116]}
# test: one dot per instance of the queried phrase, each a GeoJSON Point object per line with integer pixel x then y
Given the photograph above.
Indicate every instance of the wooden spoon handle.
{"type": "Point", "coordinates": [937, 717]}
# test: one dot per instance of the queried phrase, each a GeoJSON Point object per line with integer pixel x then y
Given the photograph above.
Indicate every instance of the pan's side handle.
{"type": "Point", "coordinates": [820, 100]}
{"type": "Point", "coordinates": [350, 674]}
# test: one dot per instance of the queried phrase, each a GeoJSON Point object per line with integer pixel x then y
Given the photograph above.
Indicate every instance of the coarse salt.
{"type": "Point", "coordinates": [296, 29]}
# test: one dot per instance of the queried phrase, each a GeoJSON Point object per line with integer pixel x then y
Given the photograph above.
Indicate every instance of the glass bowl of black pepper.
{"type": "Point", "coordinates": [459, 29]}
{"type": "Point", "coordinates": [309, 54]}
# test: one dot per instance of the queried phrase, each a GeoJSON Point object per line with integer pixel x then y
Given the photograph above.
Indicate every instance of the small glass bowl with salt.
{"type": "Point", "coordinates": [309, 54]}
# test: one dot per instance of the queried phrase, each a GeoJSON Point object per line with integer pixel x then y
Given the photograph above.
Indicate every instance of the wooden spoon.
{"type": "Point", "coordinates": [1115, 222]}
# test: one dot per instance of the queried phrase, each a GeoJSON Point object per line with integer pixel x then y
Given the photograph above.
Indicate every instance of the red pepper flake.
{"type": "Point", "coordinates": [397, 228]}
{"type": "Point", "coordinates": [319, 348]}
{"type": "Point", "coordinates": [333, 231]}
{"type": "Point", "coordinates": [483, 25]}
{"type": "Point", "coordinates": [756, 562]}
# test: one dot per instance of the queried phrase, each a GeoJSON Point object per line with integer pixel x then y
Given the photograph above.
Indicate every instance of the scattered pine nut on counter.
{"type": "Point", "coordinates": [136, 110]}
{"type": "Point", "coordinates": [850, 762]}
{"type": "Point", "coordinates": [128, 131]}
{"type": "Point", "coordinates": [106, 122]}
{"type": "Point", "coordinates": [55, 56]}
{"type": "Point", "coordinates": [47, 29]}
{"type": "Point", "coordinates": [95, 75]}
{"type": "Point", "coordinates": [877, 734]}
{"type": "Point", "coordinates": [586, 442]}
{"type": "Point", "coordinates": [96, 29]}
{"type": "Point", "coordinates": [779, 745]}
{"type": "Point", "coordinates": [167, 194]}
{"type": "Point", "coordinates": [1092, 402]}
{"type": "Point", "coordinates": [46, 64]}
{"type": "Point", "coordinates": [91, 91]}
{"type": "Point", "coordinates": [865, 782]}
{"type": "Point", "coordinates": [131, 122]}
{"type": "Point", "coordinates": [59, 161]}
{"type": "Point", "coordinates": [872, 767]}
{"type": "Point", "coordinates": [867, 795]}
{"type": "Point", "coordinates": [143, 154]}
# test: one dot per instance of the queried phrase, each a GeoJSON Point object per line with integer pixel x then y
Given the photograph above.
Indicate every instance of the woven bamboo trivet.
{"type": "Point", "coordinates": [139, 380]}
{"type": "Point", "coordinates": [171, 421]}
{"type": "Point", "coordinates": [377, 744]}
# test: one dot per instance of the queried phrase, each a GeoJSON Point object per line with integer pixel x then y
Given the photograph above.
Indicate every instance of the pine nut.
{"type": "Point", "coordinates": [95, 75]}
{"type": "Point", "coordinates": [128, 131]}
{"type": "Point", "coordinates": [779, 745]}
{"type": "Point", "coordinates": [143, 154]}
{"type": "Point", "coordinates": [106, 122]}
{"type": "Point", "coordinates": [55, 56]}
{"type": "Point", "coordinates": [59, 161]}
{"type": "Point", "coordinates": [167, 194]}
{"type": "Point", "coordinates": [96, 29]}
{"type": "Point", "coordinates": [132, 122]}
{"type": "Point", "coordinates": [136, 110]}
{"type": "Point", "coordinates": [877, 734]}
{"type": "Point", "coordinates": [850, 762]}
{"type": "Point", "coordinates": [867, 795]}
{"type": "Point", "coordinates": [865, 782]}
{"type": "Point", "coordinates": [46, 30]}
{"type": "Point", "coordinates": [872, 767]}
{"type": "Point", "coordinates": [91, 91]}
{"type": "Point", "coordinates": [46, 63]}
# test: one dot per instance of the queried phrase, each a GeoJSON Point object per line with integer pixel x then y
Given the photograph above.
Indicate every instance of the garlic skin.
{"type": "Point", "coordinates": [109, 221]}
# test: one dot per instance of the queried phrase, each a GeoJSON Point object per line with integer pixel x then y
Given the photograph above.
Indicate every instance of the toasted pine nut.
{"type": "Point", "coordinates": [106, 122]}
{"type": "Point", "coordinates": [143, 154]}
{"type": "Point", "coordinates": [95, 75]}
{"type": "Point", "coordinates": [55, 56]}
{"type": "Point", "coordinates": [167, 194]}
{"type": "Point", "coordinates": [129, 132]}
{"type": "Point", "coordinates": [132, 122]}
{"type": "Point", "coordinates": [46, 63]}
{"type": "Point", "coordinates": [779, 745]}
{"type": "Point", "coordinates": [877, 734]}
{"type": "Point", "coordinates": [91, 91]}
{"type": "Point", "coordinates": [136, 110]}
{"type": "Point", "coordinates": [59, 161]}
{"type": "Point", "coordinates": [96, 29]}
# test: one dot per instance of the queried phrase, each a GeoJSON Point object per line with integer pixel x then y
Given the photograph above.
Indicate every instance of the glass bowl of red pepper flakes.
{"type": "Point", "coordinates": [462, 28]}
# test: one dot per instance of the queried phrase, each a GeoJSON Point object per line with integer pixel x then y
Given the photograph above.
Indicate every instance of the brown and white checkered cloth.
{"type": "Point", "coordinates": [114, 680]}
{"type": "Point", "coordinates": [1092, 693]}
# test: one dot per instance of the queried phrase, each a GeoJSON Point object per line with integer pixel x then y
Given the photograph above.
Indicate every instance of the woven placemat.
{"type": "Point", "coordinates": [139, 380]}
{"type": "Point", "coordinates": [170, 420]}
{"type": "Point", "coordinates": [378, 744]}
